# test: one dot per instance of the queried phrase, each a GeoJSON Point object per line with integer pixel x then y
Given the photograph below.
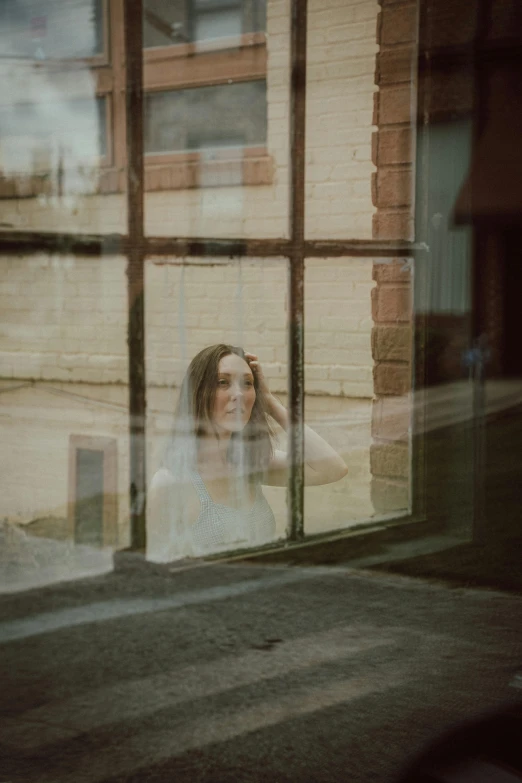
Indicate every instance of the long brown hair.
{"type": "Point", "coordinates": [194, 411]}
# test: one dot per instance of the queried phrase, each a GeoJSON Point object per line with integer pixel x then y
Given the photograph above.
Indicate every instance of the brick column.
{"type": "Point", "coordinates": [392, 191]}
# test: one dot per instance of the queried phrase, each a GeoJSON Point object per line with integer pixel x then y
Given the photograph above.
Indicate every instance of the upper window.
{"type": "Point", "coordinates": [169, 22]}
{"type": "Point", "coordinates": [225, 115]}
{"type": "Point", "coordinates": [51, 29]}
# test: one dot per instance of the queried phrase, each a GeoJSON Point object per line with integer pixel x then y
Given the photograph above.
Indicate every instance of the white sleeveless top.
{"type": "Point", "coordinates": [219, 527]}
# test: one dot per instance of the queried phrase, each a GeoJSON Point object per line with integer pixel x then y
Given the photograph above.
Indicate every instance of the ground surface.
{"type": "Point", "coordinates": [244, 673]}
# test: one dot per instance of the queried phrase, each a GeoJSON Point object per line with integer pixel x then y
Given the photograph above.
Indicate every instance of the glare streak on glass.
{"type": "Point", "coordinates": [37, 137]}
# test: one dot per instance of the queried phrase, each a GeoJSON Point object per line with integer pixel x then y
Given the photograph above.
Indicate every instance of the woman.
{"type": "Point", "coordinates": [208, 496]}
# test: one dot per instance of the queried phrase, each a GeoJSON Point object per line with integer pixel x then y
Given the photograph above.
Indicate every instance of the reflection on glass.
{"type": "Point", "coordinates": [220, 483]}
{"type": "Point", "coordinates": [226, 115]}
{"type": "Point", "coordinates": [41, 29]}
{"type": "Point", "coordinates": [34, 136]}
{"type": "Point", "coordinates": [58, 145]}
{"type": "Point", "coordinates": [339, 388]}
{"type": "Point", "coordinates": [64, 430]}
{"type": "Point", "coordinates": [167, 22]}
{"type": "Point", "coordinates": [246, 309]}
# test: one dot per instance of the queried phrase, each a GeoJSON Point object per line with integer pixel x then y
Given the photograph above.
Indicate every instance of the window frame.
{"type": "Point", "coordinates": [137, 247]}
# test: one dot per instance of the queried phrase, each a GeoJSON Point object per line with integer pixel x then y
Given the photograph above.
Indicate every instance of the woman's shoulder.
{"type": "Point", "coordinates": [162, 478]}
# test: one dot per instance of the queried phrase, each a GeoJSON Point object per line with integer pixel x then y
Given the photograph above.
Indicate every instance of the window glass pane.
{"type": "Point", "coordinates": [189, 308]}
{"type": "Point", "coordinates": [216, 133]}
{"type": "Point", "coordinates": [340, 399]}
{"type": "Point", "coordinates": [167, 22]}
{"type": "Point", "coordinates": [51, 28]}
{"type": "Point", "coordinates": [228, 115]}
{"type": "Point", "coordinates": [341, 62]}
{"type": "Point", "coordinates": [64, 428]}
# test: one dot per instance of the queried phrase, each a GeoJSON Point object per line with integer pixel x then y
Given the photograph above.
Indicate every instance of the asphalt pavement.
{"type": "Point", "coordinates": [235, 672]}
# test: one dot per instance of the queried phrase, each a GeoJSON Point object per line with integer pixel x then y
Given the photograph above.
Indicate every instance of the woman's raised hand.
{"type": "Point", "coordinates": [274, 407]}
{"type": "Point", "coordinates": [257, 370]}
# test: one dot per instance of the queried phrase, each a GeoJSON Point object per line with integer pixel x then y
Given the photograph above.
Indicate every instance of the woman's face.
{"type": "Point", "coordinates": [235, 394]}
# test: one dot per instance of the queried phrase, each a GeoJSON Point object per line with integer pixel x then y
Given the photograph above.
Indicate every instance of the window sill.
{"type": "Point", "coordinates": [184, 174]}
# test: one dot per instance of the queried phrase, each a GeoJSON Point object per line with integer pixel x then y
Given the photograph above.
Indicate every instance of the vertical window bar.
{"type": "Point", "coordinates": [295, 529]}
{"type": "Point", "coordinates": [135, 267]}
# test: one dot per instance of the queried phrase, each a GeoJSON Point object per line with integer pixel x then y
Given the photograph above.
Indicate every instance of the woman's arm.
{"type": "Point", "coordinates": [323, 465]}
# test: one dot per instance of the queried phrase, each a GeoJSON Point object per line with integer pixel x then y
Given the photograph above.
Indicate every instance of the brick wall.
{"type": "Point", "coordinates": [341, 64]}
{"type": "Point", "coordinates": [246, 304]}
{"type": "Point", "coordinates": [64, 318]}
{"type": "Point", "coordinates": [392, 191]}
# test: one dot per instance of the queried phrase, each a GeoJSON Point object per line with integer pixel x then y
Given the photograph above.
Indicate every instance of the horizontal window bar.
{"type": "Point", "coordinates": [181, 248]}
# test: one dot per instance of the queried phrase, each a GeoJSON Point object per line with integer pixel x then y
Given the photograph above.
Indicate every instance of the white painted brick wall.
{"type": "Point", "coordinates": [246, 304]}
{"type": "Point", "coordinates": [64, 318]}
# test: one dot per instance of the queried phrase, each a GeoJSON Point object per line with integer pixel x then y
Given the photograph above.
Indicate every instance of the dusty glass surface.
{"type": "Point", "coordinates": [358, 397]}
{"type": "Point", "coordinates": [189, 308]}
{"type": "Point", "coordinates": [64, 423]}
{"type": "Point", "coordinates": [62, 118]}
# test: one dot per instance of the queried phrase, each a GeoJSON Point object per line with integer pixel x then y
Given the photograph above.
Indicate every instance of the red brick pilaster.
{"type": "Point", "coordinates": [392, 189]}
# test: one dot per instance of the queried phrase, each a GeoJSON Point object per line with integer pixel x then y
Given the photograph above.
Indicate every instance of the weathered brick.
{"type": "Point", "coordinates": [391, 378]}
{"type": "Point", "coordinates": [391, 343]}
{"type": "Point", "coordinates": [399, 24]}
{"type": "Point", "coordinates": [391, 303]}
{"type": "Point", "coordinates": [376, 108]}
{"type": "Point", "coordinates": [398, 271]}
{"type": "Point", "coordinates": [390, 459]}
{"type": "Point", "coordinates": [394, 105]}
{"type": "Point", "coordinates": [394, 187]}
{"type": "Point", "coordinates": [394, 66]}
{"type": "Point", "coordinates": [396, 224]}
{"type": "Point", "coordinates": [394, 146]}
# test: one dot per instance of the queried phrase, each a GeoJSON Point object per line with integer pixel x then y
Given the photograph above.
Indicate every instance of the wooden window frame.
{"type": "Point", "coordinates": [197, 64]}
{"type": "Point", "coordinates": [109, 447]}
